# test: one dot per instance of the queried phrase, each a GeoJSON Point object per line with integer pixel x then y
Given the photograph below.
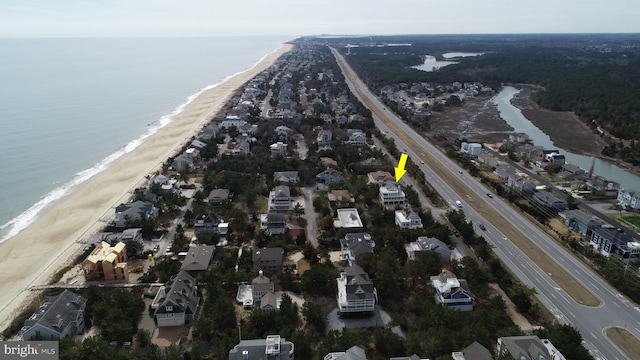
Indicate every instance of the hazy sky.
{"type": "Point", "coordinates": [77, 18]}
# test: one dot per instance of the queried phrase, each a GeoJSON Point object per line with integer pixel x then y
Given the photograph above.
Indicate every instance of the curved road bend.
{"type": "Point", "coordinates": [455, 184]}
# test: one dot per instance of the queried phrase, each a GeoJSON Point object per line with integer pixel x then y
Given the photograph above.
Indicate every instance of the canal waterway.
{"type": "Point", "coordinates": [513, 116]}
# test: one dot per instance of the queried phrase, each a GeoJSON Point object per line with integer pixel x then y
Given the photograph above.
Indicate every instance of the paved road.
{"type": "Point", "coordinates": [614, 310]}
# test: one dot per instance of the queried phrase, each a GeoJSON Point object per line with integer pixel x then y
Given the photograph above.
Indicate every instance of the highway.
{"type": "Point", "coordinates": [614, 309]}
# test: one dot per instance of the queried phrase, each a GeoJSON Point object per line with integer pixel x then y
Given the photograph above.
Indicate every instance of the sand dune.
{"type": "Point", "coordinates": [37, 252]}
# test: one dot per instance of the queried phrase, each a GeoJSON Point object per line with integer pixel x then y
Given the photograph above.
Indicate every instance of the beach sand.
{"type": "Point", "coordinates": [34, 255]}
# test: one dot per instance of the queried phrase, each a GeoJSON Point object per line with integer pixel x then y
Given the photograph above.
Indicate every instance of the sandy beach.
{"type": "Point", "coordinates": [34, 255]}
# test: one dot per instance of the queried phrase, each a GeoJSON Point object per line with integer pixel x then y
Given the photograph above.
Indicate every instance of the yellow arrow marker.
{"type": "Point", "coordinates": [400, 171]}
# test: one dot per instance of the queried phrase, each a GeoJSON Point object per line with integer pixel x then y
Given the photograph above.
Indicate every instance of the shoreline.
{"type": "Point", "coordinates": [34, 254]}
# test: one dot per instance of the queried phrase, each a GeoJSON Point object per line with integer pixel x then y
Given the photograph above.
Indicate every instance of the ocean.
{"type": "Point", "coordinates": [69, 107]}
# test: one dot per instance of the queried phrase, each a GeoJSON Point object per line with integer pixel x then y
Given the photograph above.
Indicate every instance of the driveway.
{"type": "Point", "coordinates": [310, 215]}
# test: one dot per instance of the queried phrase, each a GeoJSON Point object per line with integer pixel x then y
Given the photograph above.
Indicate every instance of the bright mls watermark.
{"type": "Point", "coordinates": [44, 350]}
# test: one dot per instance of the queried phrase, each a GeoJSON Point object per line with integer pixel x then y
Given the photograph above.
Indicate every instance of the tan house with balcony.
{"type": "Point", "coordinates": [107, 263]}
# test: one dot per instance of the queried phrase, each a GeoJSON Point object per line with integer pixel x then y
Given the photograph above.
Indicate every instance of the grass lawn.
{"type": "Point", "coordinates": [262, 205]}
{"type": "Point", "coordinates": [625, 341]}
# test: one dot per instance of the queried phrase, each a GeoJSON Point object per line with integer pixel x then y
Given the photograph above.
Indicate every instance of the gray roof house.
{"type": "Point", "coordinates": [269, 259]}
{"type": "Point", "coordinates": [452, 292]}
{"type": "Point", "coordinates": [428, 244]}
{"type": "Point", "coordinates": [218, 196]}
{"type": "Point", "coordinates": [475, 351]}
{"type": "Point", "coordinates": [58, 317]}
{"type": "Point", "coordinates": [330, 176]}
{"type": "Point", "coordinates": [548, 199]}
{"type": "Point", "coordinates": [210, 223]}
{"type": "Point", "coordinates": [353, 245]}
{"type": "Point", "coordinates": [580, 222]}
{"type": "Point", "coordinates": [125, 214]}
{"type": "Point", "coordinates": [176, 302]}
{"type": "Point", "coordinates": [353, 353]}
{"type": "Point", "coordinates": [356, 293]}
{"type": "Point", "coordinates": [280, 198]}
{"type": "Point", "coordinates": [273, 223]}
{"type": "Point", "coordinates": [504, 171]}
{"type": "Point", "coordinates": [198, 259]}
{"type": "Point", "coordinates": [285, 176]}
{"type": "Point", "coordinates": [273, 347]}
{"type": "Point", "coordinates": [609, 241]}
{"type": "Point", "coordinates": [408, 219]}
{"type": "Point", "coordinates": [260, 286]}
{"type": "Point", "coordinates": [528, 348]}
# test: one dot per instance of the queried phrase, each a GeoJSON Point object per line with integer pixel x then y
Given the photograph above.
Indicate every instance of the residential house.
{"type": "Point", "coordinates": [356, 293]}
{"type": "Point", "coordinates": [285, 177]}
{"type": "Point", "coordinates": [329, 177]}
{"type": "Point", "coordinates": [280, 198]}
{"type": "Point", "coordinates": [133, 234]}
{"type": "Point", "coordinates": [471, 149]}
{"type": "Point", "coordinates": [408, 219]}
{"type": "Point", "coordinates": [390, 193]}
{"type": "Point", "coordinates": [520, 183]}
{"type": "Point", "coordinates": [581, 222]}
{"type": "Point", "coordinates": [268, 259]}
{"type": "Point", "coordinates": [602, 187]}
{"type": "Point", "coordinates": [134, 212]}
{"type": "Point", "coordinates": [273, 347]}
{"type": "Point", "coordinates": [554, 159]}
{"type": "Point", "coordinates": [452, 292]}
{"type": "Point", "coordinates": [197, 144]}
{"type": "Point", "coordinates": [270, 302]}
{"type": "Point", "coordinates": [198, 259]}
{"type": "Point", "coordinates": [428, 244]}
{"type": "Point", "coordinates": [161, 184]}
{"type": "Point", "coordinates": [183, 162]}
{"type": "Point", "coordinates": [278, 148]}
{"type": "Point", "coordinates": [380, 177]}
{"type": "Point", "coordinates": [340, 198]}
{"type": "Point", "coordinates": [176, 302]}
{"type": "Point", "coordinates": [324, 138]}
{"type": "Point", "coordinates": [504, 171]}
{"type": "Point", "coordinates": [629, 199]}
{"type": "Point", "coordinates": [260, 286]}
{"type": "Point", "coordinates": [527, 348]}
{"type": "Point", "coordinates": [488, 159]}
{"type": "Point", "coordinates": [106, 262]}
{"type": "Point", "coordinates": [519, 138]}
{"type": "Point", "coordinates": [353, 353]}
{"type": "Point", "coordinates": [570, 171]}
{"type": "Point", "coordinates": [273, 223]}
{"type": "Point", "coordinates": [232, 120]}
{"type": "Point", "coordinates": [59, 316]}
{"type": "Point", "coordinates": [348, 218]}
{"type": "Point", "coordinates": [475, 351]}
{"type": "Point", "coordinates": [354, 244]}
{"type": "Point", "coordinates": [356, 137]}
{"type": "Point", "coordinates": [218, 196]}
{"type": "Point", "coordinates": [548, 199]}
{"type": "Point", "coordinates": [209, 224]}
{"type": "Point", "coordinates": [608, 241]}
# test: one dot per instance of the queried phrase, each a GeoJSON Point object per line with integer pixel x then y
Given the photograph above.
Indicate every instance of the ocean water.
{"type": "Point", "coordinates": [68, 107]}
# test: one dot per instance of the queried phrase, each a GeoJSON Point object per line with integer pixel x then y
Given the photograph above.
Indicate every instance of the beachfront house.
{"type": "Point", "coordinates": [527, 347]}
{"type": "Point", "coordinates": [106, 262]}
{"type": "Point", "coordinates": [135, 212]}
{"type": "Point", "coordinates": [58, 317]}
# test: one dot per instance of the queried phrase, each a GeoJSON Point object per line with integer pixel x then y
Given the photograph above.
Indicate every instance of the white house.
{"type": "Point", "coordinates": [391, 193]}
{"type": "Point", "coordinates": [278, 148]}
{"type": "Point", "coordinates": [408, 219]}
{"type": "Point", "coordinates": [629, 199]}
{"type": "Point", "coordinates": [452, 292]}
{"type": "Point", "coordinates": [356, 293]}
